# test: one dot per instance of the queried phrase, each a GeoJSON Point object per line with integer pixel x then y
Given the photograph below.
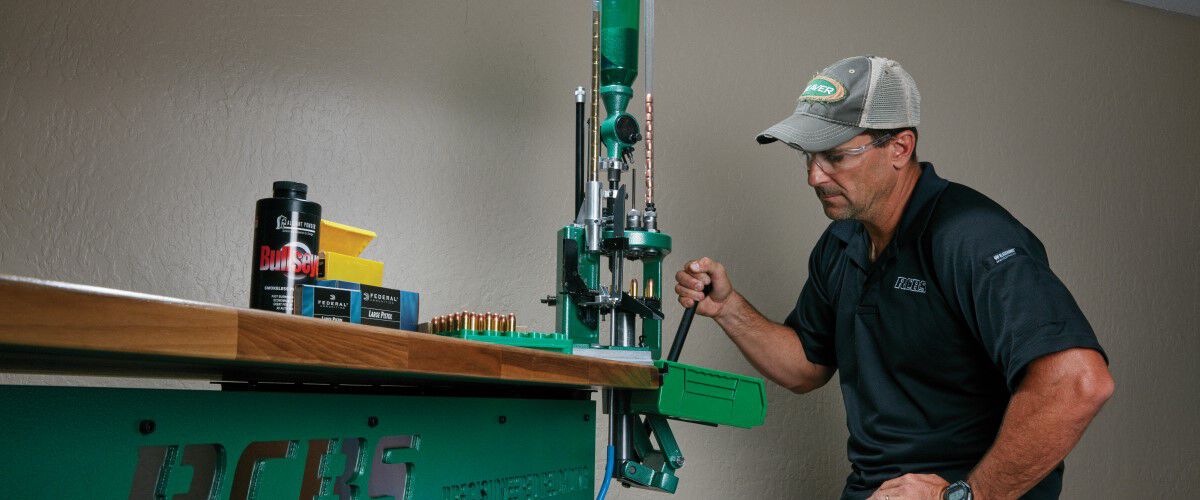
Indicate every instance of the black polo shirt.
{"type": "Point", "coordinates": [933, 337]}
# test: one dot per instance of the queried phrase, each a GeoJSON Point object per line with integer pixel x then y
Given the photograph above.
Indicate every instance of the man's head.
{"type": "Point", "coordinates": [855, 128]}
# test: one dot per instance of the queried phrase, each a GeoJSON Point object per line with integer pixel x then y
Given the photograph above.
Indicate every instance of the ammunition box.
{"type": "Point", "coordinates": [384, 307]}
{"type": "Point", "coordinates": [328, 303]}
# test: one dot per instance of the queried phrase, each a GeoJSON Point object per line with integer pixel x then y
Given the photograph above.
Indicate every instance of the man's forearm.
{"type": "Point", "coordinates": [1045, 419]}
{"type": "Point", "coordinates": [773, 349]}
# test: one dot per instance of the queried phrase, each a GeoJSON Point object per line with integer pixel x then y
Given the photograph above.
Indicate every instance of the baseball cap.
{"type": "Point", "coordinates": [848, 97]}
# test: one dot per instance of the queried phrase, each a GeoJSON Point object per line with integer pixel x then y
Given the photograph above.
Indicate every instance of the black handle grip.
{"type": "Point", "coordinates": [685, 324]}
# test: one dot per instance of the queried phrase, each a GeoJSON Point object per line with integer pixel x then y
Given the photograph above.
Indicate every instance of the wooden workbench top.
{"type": "Point", "coordinates": [54, 327]}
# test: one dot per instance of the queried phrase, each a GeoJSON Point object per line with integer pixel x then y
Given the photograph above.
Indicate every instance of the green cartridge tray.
{"type": "Point", "coordinates": [703, 395]}
{"type": "Point", "coordinates": [553, 342]}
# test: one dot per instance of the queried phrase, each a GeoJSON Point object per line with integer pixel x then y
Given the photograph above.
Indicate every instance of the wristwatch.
{"type": "Point", "coordinates": [959, 490]}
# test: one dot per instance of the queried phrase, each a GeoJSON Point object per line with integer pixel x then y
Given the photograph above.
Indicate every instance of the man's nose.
{"type": "Point", "coordinates": [816, 176]}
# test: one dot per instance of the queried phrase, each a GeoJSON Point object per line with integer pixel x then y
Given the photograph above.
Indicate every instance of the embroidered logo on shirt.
{"type": "Point", "coordinates": [1002, 256]}
{"type": "Point", "coordinates": [910, 284]}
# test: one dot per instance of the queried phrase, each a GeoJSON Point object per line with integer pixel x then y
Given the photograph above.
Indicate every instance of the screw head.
{"type": "Point", "coordinates": [146, 426]}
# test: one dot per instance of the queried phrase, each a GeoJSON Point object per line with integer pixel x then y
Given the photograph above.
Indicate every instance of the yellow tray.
{"type": "Point", "coordinates": [343, 239]}
{"type": "Point", "coordinates": [335, 266]}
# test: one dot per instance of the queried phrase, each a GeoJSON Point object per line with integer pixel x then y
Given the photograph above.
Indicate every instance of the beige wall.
{"type": "Point", "coordinates": [136, 135]}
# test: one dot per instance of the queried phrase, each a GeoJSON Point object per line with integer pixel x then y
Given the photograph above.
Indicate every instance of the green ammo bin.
{"type": "Point", "coordinates": [553, 342]}
{"type": "Point", "coordinates": [703, 395]}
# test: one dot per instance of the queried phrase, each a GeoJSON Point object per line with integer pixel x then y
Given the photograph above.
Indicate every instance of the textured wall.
{"type": "Point", "coordinates": [136, 135]}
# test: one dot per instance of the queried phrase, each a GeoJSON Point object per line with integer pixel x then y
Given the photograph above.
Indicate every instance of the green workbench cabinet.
{"type": "Point", "coordinates": [71, 442]}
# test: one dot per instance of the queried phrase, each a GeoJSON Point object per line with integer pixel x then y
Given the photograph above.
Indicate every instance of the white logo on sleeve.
{"type": "Point", "coordinates": [910, 284]}
{"type": "Point", "coordinates": [1003, 256]}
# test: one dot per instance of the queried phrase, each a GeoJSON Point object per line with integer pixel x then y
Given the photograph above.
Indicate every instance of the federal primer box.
{"type": "Point", "coordinates": [328, 303]}
{"type": "Point", "coordinates": [384, 307]}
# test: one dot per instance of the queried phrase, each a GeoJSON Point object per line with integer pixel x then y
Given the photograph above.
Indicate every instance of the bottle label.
{"type": "Point", "coordinates": [285, 224]}
{"type": "Point", "coordinates": [285, 255]}
{"type": "Point", "coordinates": [293, 258]}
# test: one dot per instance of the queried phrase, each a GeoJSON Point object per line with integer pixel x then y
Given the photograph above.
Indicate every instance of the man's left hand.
{"type": "Point", "coordinates": [912, 487]}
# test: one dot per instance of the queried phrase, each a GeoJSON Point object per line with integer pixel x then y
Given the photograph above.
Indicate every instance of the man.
{"type": "Point", "coordinates": [967, 369]}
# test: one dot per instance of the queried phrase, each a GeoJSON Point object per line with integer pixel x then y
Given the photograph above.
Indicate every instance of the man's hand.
{"type": "Point", "coordinates": [912, 487]}
{"type": "Point", "coordinates": [690, 283]}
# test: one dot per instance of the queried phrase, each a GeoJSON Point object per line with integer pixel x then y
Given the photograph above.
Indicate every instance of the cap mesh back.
{"type": "Point", "coordinates": [893, 100]}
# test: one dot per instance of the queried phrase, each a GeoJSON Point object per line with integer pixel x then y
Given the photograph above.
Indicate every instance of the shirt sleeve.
{"type": "Point", "coordinates": [1016, 306]}
{"type": "Point", "coordinates": [813, 317]}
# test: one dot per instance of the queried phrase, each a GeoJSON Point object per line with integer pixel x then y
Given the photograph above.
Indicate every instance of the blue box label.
{"type": "Point", "coordinates": [329, 303]}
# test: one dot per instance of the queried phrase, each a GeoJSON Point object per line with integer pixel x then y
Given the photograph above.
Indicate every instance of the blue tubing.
{"type": "Point", "coordinates": [608, 471]}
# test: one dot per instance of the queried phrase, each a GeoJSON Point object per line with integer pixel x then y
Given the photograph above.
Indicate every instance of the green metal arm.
{"type": "Point", "coordinates": [656, 470]}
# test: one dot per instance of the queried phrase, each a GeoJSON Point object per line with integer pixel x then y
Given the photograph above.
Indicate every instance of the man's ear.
{"type": "Point", "coordinates": [902, 147]}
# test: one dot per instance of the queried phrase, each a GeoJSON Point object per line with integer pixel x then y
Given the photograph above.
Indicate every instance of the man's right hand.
{"type": "Point", "coordinates": [690, 283]}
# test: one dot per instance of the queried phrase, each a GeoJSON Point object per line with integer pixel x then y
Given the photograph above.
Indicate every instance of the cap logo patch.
{"type": "Point", "coordinates": [823, 89]}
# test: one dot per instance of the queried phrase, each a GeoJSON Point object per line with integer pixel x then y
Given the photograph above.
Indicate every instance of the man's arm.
{"type": "Point", "coordinates": [1057, 399]}
{"type": "Point", "coordinates": [1046, 416]}
{"type": "Point", "coordinates": [774, 349]}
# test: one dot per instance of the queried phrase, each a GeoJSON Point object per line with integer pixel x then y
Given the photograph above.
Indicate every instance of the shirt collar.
{"type": "Point", "coordinates": [920, 204]}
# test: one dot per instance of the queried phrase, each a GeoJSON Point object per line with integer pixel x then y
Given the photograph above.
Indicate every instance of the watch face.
{"type": "Point", "coordinates": [958, 491]}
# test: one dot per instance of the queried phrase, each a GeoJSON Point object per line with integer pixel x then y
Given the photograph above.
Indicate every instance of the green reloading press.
{"type": "Point", "coordinates": [605, 229]}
